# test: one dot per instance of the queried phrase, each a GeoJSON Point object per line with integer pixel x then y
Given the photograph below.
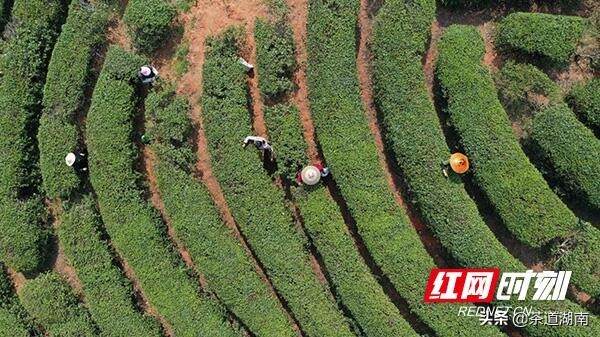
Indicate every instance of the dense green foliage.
{"type": "Point", "coordinates": [13, 320]}
{"type": "Point", "coordinates": [217, 253]}
{"type": "Point", "coordinates": [516, 190]}
{"type": "Point", "coordinates": [52, 303]}
{"type": "Point", "coordinates": [67, 82]}
{"type": "Point", "coordinates": [582, 258]}
{"type": "Point", "coordinates": [519, 194]}
{"type": "Point", "coordinates": [149, 22]}
{"type": "Point", "coordinates": [571, 151]}
{"type": "Point", "coordinates": [107, 292]}
{"type": "Point", "coordinates": [357, 289]}
{"type": "Point", "coordinates": [585, 100]}
{"type": "Point", "coordinates": [276, 55]}
{"type": "Point", "coordinates": [257, 204]}
{"type": "Point", "coordinates": [552, 36]}
{"type": "Point", "coordinates": [351, 153]}
{"type": "Point", "coordinates": [23, 67]}
{"type": "Point", "coordinates": [130, 221]}
{"type": "Point", "coordinates": [524, 89]}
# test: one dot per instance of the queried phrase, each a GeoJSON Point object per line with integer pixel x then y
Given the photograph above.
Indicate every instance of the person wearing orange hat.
{"type": "Point", "coordinates": [458, 162]}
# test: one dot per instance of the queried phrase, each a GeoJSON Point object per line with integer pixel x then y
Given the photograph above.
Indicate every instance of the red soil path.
{"type": "Point", "coordinates": [297, 19]}
{"type": "Point", "coordinates": [431, 57]}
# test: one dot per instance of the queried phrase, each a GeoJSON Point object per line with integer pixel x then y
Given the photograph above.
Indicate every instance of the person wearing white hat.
{"type": "Point", "coordinates": [310, 175]}
{"type": "Point", "coordinates": [148, 74]}
{"type": "Point", "coordinates": [76, 161]}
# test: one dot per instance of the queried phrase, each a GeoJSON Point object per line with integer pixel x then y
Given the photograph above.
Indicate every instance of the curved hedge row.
{"type": "Point", "coordinates": [149, 23]}
{"type": "Point", "coordinates": [524, 88]}
{"type": "Point", "coordinates": [130, 221]}
{"type": "Point", "coordinates": [585, 100]}
{"type": "Point", "coordinates": [257, 205]}
{"type": "Point", "coordinates": [23, 67]}
{"type": "Point", "coordinates": [551, 36]}
{"type": "Point", "coordinates": [358, 290]}
{"type": "Point", "coordinates": [52, 303]}
{"type": "Point", "coordinates": [13, 319]}
{"type": "Point", "coordinates": [217, 253]}
{"type": "Point", "coordinates": [67, 81]}
{"type": "Point", "coordinates": [107, 293]}
{"type": "Point", "coordinates": [525, 203]}
{"type": "Point", "coordinates": [517, 191]}
{"type": "Point", "coordinates": [351, 153]}
{"type": "Point", "coordinates": [276, 56]}
{"type": "Point", "coordinates": [402, 98]}
{"type": "Point", "coordinates": [571, 150]}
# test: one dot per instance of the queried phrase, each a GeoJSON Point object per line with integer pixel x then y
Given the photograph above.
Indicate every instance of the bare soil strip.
{"type": "Point", "coordinates": [432, 245]}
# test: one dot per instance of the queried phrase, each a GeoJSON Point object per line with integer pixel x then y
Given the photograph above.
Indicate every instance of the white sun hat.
{"type": "Point", "coordinates": [146, 71]}
{"type": "Point", "coordinates": [70, 159]}
{"type": "Point", "coordinates": [310, 175]}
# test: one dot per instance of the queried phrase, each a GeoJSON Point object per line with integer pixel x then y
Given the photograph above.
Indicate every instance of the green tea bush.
{"type": "Point", "coordinates": [67, 82]}
{"type": "Point", "coordinates": [220, 257]}
{"type": "Point", "coordinates": [23, 66]}
{"type": "Point", "coordinates": [52, 303]}
{"type": "Point", "coordinates": [572, 152]}
{"type": "Point", "coordinates": [257, 204]}
{"type": "Point", "coordinates": [107, 292]}
{"type": "Point", "coordinates": [348, 145]}
{"type": "Point", "coordinates": [520, 87]}
{"type": "Point", "coordinates": [552, 36]}
{"type": "Point", "coordinates": [582, 259]}
{"type": "Point", "coordinates": [132, 224]}
{"type": "Point", "coordinates": [149, 23]}
{"type": "Point", "coordinates": [519, 194]}
{"type": "Point", "coordinates": [585, 100]}
{"type": "Point", "coordinates": [358, 290]}
{"type": "Point", "coordinates": [13, 319]}
{"type": "Point", "coordinates": [516, 190]}
{"type": "Point", "coordinates": [277, 55]}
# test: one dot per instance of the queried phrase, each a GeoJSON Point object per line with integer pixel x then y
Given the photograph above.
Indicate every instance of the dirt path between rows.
{"type": "Point", "coordinates": [364, 59]}
{"type": "Point", "coordinates": [431, 57]}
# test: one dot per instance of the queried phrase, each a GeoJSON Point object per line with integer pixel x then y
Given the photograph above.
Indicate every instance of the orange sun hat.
{"type": "Point", "coordinates": [459, 163]}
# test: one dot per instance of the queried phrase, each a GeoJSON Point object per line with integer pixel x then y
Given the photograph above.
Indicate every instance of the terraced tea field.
{"type": "Point", "coordinates": [163, 225]}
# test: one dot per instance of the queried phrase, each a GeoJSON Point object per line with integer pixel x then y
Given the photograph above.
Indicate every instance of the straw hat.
{"type": "Point", "coordinates": [459, 163]}
{"type": "Point", "coordinates": [70, 159]}
{"type": "Point", "coordinates": [310, 175]}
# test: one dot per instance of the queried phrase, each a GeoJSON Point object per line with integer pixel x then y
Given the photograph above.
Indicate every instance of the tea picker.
{"type": "Point", "coordinates": [77, 161]}
{"type": "Point", "coordinates": [261, 144]}
{"type": "Point", "coordinates": [148, 74]}
{"type": "Point", "coordinates": [312, 174]}
{"type": "Point", "coordinates": [458, 162]}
